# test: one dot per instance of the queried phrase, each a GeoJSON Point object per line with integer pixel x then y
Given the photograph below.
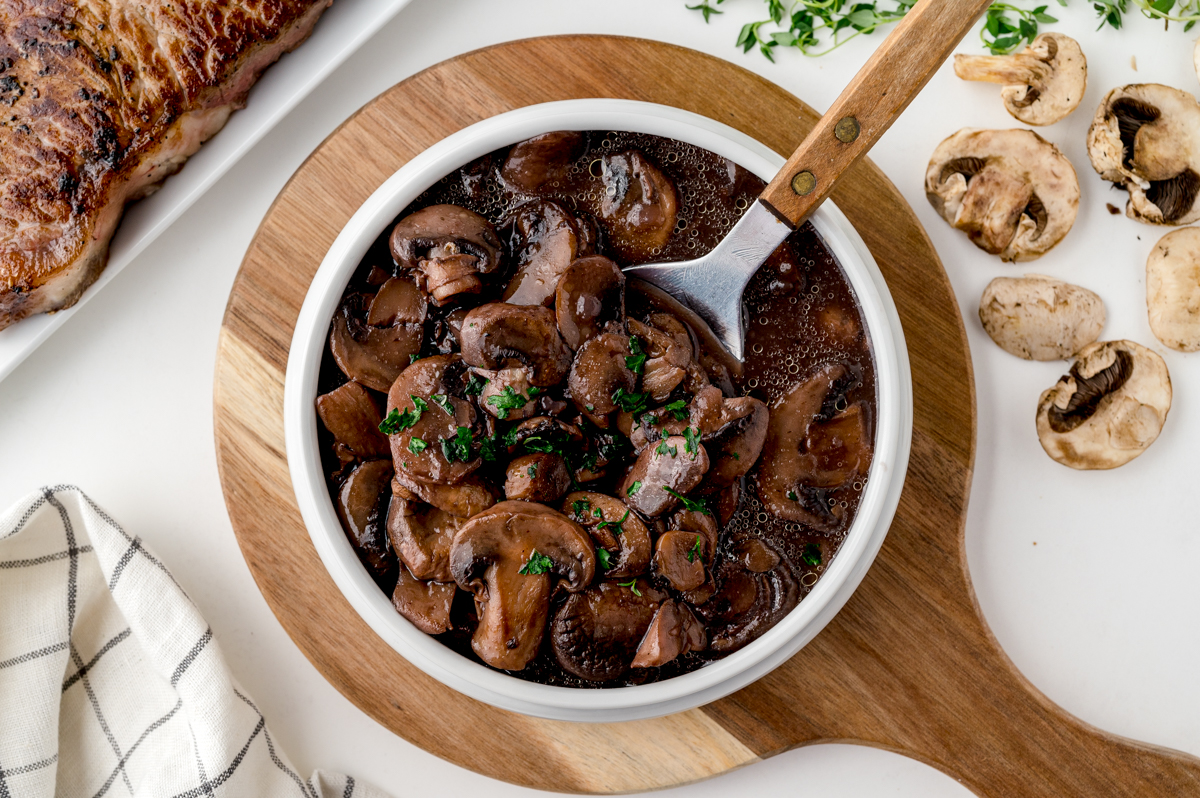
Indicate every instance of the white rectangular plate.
{"type": "Point", "coordinates": [341, 30]}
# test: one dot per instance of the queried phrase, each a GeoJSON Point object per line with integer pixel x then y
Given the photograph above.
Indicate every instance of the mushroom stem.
{"type": "Point", "coordinates": [1006, 70]}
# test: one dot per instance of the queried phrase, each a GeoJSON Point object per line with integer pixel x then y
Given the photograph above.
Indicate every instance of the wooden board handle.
{"type": "Point", "coordinates": [881, 90]}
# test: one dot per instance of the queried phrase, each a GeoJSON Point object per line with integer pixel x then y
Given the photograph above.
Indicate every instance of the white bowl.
{"type": "Point", "coordinates": [880, 497]}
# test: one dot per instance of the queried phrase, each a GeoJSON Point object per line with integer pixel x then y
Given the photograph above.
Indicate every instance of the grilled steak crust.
{"type": "Point", "coordinates": [99, 101]}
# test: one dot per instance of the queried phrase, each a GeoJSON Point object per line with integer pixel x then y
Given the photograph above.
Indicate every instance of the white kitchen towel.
{"type": "Point", "coordinates": [110, 681]}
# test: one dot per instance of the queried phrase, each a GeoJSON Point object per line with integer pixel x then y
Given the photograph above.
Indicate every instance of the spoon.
{"type": "Point", "coordinates": [712, 285]}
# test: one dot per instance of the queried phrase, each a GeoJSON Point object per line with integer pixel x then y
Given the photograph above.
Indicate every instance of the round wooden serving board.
{"type": "Point", "coordinates": [908, 665]}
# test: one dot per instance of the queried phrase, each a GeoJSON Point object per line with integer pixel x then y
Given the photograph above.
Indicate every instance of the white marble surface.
{"type": "Point", "coordinates": [1087, 579]}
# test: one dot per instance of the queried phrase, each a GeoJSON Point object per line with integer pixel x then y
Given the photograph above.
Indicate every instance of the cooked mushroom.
{"type": "Point", "coordinates": [1108, 409]}
{"type": "Point", "coordinates": [599, 373]}
{"type": "Point", "coordinates": [363, 508]}
{"type": "Point", "coordinates": [432, 441]}
{"type": "Point", "coordinates": [755, 556]}
{"type": "Point", "coordinates": [673, 632]}
{"type": "Point", "coordinates": [508, 393]}
{"type": "Point", "coordinates": [538, 477]}
{"type": "Point", "coordinates": [679, 558]}
{"type": "Point", "coordinates": [837, 449]}
{"type": "Point", "coordinates": [1173, 289]}
{"type": "Point", "coordinates": [464, 499]}
{"type": "Point", "coordinates": [589, 299]}
{"type": "Point", "coordinates": [695, 522]}
{"type": "Point", "coordinates": [398, 301]}
{"type": "Point", "coordinates": [1040, 318]}
{"type": "Point", "coordinates": [747, 604]}
{"type": "Point", "coordinates": [666, 361]}
{"type": "Point", "coordinates": [545, 239]}
{"type": "Point", "coordinates": [662, 474]}
{"type": "Point", "coordinates": [421, 535]}
{"type": "Point", "coordinates": [543, 159]}
{"type": "Point", "coordinates": [1011, 191]}
{"type": "Point", "coordinates": [426, 605]}
{"type": "Point", "coordinates": [638, 207]}
{"type": "Point", "coordinates": [615, 529]}
{"type": "Point", "coordinates": [449, 246]}
{"type": "Point", "coordinates": [1042, 84]}
{"type": "Point", "coordinates": [510, 557]}
{"type": "Point", "coordinates": [373, 356]}
{"type": "Point", "coordinates": [499, 335]}
{"type": "Point", "coordinates": [595, 634]}
{"type": "Point", "coordinates": [352, 416]}
{"type": "Point", "coordinates": [1146, 138]}
{"type": "Point", "coordinates": [737, 440]}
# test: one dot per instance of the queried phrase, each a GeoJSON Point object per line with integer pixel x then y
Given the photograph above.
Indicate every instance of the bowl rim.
{"type": "Point", "coordinates": [798, 627]}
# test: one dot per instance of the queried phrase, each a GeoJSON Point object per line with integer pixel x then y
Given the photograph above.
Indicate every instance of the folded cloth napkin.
{"type": "Point", "coordinates": [110, 681]}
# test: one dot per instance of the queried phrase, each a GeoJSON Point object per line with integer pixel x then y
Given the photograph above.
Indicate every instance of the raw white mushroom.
{"type": "Point", "coordinates": [1108, 409]}
{"type": "Point", "coordinates": [1042, 84]}
{"type": "Point", "coordinates": [1011, 191]}
{"type": "Point", "coordinates": [1173, 289]}
{"type": "Point", "coordinates": [1145, 137]}
{"type": "Point", "coordinates": [1040, 318]}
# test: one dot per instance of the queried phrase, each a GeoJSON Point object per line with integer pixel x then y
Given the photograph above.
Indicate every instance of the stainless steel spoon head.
{"type": "Point", "coordinates": [712, 285]}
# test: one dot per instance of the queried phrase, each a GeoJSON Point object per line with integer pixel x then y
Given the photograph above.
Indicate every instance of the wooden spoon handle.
{"type": "Point", "coordinates": [881, 90]}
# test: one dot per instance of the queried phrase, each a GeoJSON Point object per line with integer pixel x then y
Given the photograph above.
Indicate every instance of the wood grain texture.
{"type": "Point", "coordinates": [893, 75]}
{"type": "Point", "coordinates": [908, 664]}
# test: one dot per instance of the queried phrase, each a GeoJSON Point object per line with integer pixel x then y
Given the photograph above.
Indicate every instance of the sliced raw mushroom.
{"type": "Point", "coordinates": [674, 632]}
{"type": "Point", "coordinates": [1108, 409]}
{"type": "Point", "coordinates": [533, 163]}
{"type": "Point", "coordinates": [589, 299]}
{"type": "Point", "coordinates": [679, 558]}
{"type": "Point", "coordinates": [1146, 139]}
{"type": "Point", "coordinates": [538, 477]}
{"type": "Point", "coordinates": [544, 239]}
{"type": "Point", "coordinates": [363, 508]}
{"type": "Point", "coordinates": [421, 535]}
{"type": "Point", "coordinates": [615, 529]}
{"type": "Point", "coordinates": [499, 335]}
{"type": "Point", "coordinates": [1173, 289]}
{"type": "Point", "coordinates": [595, 634]}
{"type": "Point", "coordinates": [433, 427]}
{"type": "Point", "coordinates": [450, 247]}
{"type": "Point", "coordinates": [352, 416]}
{"type": "Point", "coordinates": [463, 499]}
{"type": "Point", "coordinates": [600, 375]}
{"type": "Point", "coordinates": [638, 207]}
{"type": "Point", "coordinates": [1040, 318]}
{"type": "Point", "coordinates": [426, 605]}
{"type": "Point", "coordinates": [507, 393]}
{"type": "Point", "coordinates": [662, 474]}
{"type": "Point", "coordinates": [1011, 191]}
{"type": "Point", "coordinates": [510, 557]}
{"type": "Point", "coordinates": [747, 604]}
{"type": "Point", "coordinates": [1042, 84]}
{"type": "Point", "coordinates": [373, 356]}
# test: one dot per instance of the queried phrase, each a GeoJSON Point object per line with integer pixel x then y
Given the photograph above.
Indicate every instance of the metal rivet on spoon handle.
{"type": "Point", "coordinates": [713, 284]}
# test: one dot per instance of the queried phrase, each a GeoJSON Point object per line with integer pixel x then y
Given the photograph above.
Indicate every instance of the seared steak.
{"type": "Point", "coordinates": [99, 101]}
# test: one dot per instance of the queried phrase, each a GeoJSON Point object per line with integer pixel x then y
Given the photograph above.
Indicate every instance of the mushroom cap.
{"type": "Point", "coordinates": [1146, 138]}
{"type": "Point", "coordinates": [426, 605]}
{"type": "Point", "coordinates": [1040, 318]}
{"type": "Point", "coordinates": [589, 297]}
{"type": "Point", "coordinates": [537, 477]}
{"type": "Point", "coordinates": [598, 371]}
{"type": "Point", "coordinates": [1173, 289]}
{"type": "Point", "coordinates": [363, 507]}
{"type": "Point", "coordinates": [639, 205]}
{"type": "Point", "coordinates": [498, 334]}
{"type": "Point", "coordinates": [371, 355]}
{"type": "Point", "coordinates": [416, 234]}
{"type": "Point", "coordinates": [352, 416]}
{"type": "Point", "coordinates": [510, 386]}
{"type": "Point", "coordinates": [545, 239]}
{"type": "Point", "coordinates": [677, 561]}
{"type": "Point", "coordinates": [1042, 84]}
{"type": "Point", "coordinates": [599, 515]}
{"type": "Point", "coordinates": [595, 634]}
{"type": "Point", "coordinates": [667, 466]}
{"type": "Point", "coordinates": [463, 499]}
{"type": "Point", "coordinates": [421, 535]}
{"type": "Point", "coordinates": [1011, 191]}
{"type": "Point", "coordinates": [1108, 409]}
{"type": "Point", "coordinates": [673, 632]}
{"type": "Point", "coordinates": [542, 159]}
{"type": "Point", "coordinates": [487, 557]}
{"type": "Point", "coordinates": [426, 378]}
{"type": "Point", "coordinates": [736, 441]}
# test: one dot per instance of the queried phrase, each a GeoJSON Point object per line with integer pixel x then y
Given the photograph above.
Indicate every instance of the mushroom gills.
{"type": "Point", "coordinates": [1089, 391]}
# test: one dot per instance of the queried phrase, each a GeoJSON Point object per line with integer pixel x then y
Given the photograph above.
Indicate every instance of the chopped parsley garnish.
{"type": "Point", "coordinates": [413, 359]}
{"type": "Point", "coordinates": [664, 449]}
{"type": "Point", "coordinates": [634, 488]}
{"type": "Point", "coordinates": [580, 508]}
{"type": "Point", "coordinates": [416, 445]}
{"type": "Point", "coordinates": [596, 513]}
{"type": "Point", "coordinates": [648, 420]}
{"type": "Point", "coordinates": [532, 471]}
{"type": "Point", "coordinates": [696, 550]}
{"type": "Point", "coordinates": [458, 447]}
{"type": "Point", "coordinates": [791, 494]}
{"type": "Point", "coordinates": [736, 456]}
{"type": "Point", "coordinates": [634, 403]}
{"type": "Point", "coordinates": [632, 585]}
{"type": "Point", "coordinates": [692, 436]}
{"type": "Point", "coordinates": [443, 401]}
{"type": "Point", "coordinates": [811, 554]}
{"type": "Point", "coordinates": [693, 505]}
{"type": "Point", "coordinates": [510, 437]}
{"type": "Point", "coordinates": [678, 408]}
{"type": "Point", "coordinates": [591, 408]}
{"type": "Point", "coordinates": [507, 400]}
{"type": "Point", "coordinates": [475, 385]}
{"type": "Point", "coordinates": [637, 361]}
{"type": "Point", "coordinates": [534, 391]}
{"type": "Point", "coordinates": [604, 559]}
{"type": "Point", "coordinates": [538, 564]}
{"type": "Point", "coordinates": [396, 422]}
{"type": "Point", "coordinates": [536, 443]}
{"type": "Point", "coordinates": [616, 525]}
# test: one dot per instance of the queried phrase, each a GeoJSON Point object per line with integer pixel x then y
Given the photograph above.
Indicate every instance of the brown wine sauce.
{"type": "Point", "coordinates": [800, 315]}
